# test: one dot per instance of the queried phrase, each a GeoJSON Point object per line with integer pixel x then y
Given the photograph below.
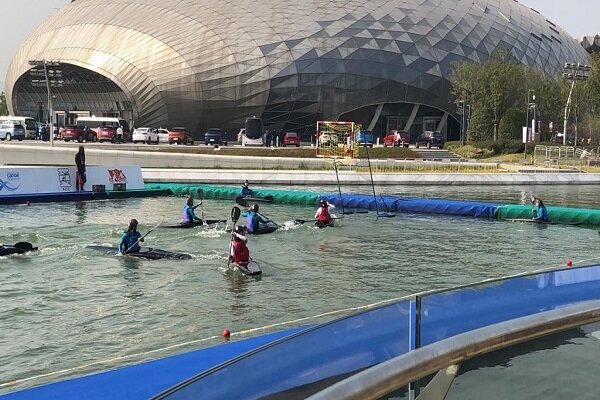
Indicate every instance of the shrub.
{"type": "Point", "coordinates": [511, 124]}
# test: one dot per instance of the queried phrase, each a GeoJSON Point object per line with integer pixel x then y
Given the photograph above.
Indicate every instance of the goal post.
{"type": "Point", "coordinates": [336, 139]}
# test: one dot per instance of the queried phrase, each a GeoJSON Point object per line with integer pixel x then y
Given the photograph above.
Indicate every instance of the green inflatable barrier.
{"type": "Point", "coordinates": [560, 215]}
{"type": "Point", "coordinates": [230, 193]}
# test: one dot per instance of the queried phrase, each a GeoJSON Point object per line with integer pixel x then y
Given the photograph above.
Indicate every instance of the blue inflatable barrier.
{"type": "Point", "coordinates": [414, 205]}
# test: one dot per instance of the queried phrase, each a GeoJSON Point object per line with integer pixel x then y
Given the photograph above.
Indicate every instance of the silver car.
{"type": "Point", "coordinates": [10, 131]}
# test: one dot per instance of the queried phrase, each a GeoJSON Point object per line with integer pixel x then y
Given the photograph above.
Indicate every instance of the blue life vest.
{"type": "Point", "coordinates": [251, 222]}
{"type": "Point", "coordinates": [129, 242]}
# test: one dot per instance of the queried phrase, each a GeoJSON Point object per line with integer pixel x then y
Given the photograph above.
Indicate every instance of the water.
{"type": "Point", "coordinates": [66, 306]}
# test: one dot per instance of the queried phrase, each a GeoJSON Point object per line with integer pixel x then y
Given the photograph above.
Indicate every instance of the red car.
{"type": "Point", "coordinates": [397, 139]}
{"type": "Point", "coordinates": [107, 134]}
{"type": "Point", "coordinates": [180, 136]}
{"type": "Point", "coordinates": [291, 139]}
{"type": "Point", "coordinates": [74, 132]}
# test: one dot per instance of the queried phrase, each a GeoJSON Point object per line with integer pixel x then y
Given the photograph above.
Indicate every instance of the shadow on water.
{"type": "Point", "coordinates": [238, 287]}
{"type": "Point", "coordinates": [80, 212]}
{"type": "Point", "coordinates": [131, 274]}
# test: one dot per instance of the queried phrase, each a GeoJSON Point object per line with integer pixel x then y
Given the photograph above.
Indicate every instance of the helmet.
{"type": "Point", "coordinates": [323, 203]}
{"type": "Point", "coordinates": [190, 200]}
{"type": "Point", "coordinates": [133, 222]}
{"type": "Point", "coordinates": [255, 207]}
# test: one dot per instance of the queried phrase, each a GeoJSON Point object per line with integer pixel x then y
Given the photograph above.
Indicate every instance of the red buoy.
{"type": "Point", "coordinates": [226, 333]}
{"type": "Point", "coordinates": [569, 263]}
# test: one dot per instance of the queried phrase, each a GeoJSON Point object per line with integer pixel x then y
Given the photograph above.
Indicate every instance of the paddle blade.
{"type": "Point", "coordinates": [235, 214]}
{"type": "Point", "coordinates": [301, 221]}
{"type": "Point", "coordinates": [269, 198]}
{"type": "Point", "coordinates": [25, 246]}
{"type": "Point", "coordinates": [200, 194]}
{"type": "Point", "coordinates": [241, 201]}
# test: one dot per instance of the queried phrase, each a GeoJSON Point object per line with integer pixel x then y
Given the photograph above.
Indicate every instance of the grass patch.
{"type": "Point", "coordinates": [293, 152]}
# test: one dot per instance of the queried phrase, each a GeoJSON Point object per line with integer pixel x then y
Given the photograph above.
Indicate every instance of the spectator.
{"type": "Point", "coordinates": [120, 134]}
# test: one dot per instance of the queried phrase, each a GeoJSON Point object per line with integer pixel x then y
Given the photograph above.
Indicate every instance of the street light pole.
{"type": "Point", "coordinates": [462, 122]}
{"type": "Point", "coordinates": [44, 63]}
{"type": "Point", "coordinates": [573, 72]}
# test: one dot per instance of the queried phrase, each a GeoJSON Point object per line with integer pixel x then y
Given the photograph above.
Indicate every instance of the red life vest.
{"type": "Point", "coordinates": [324, 216]}
{"type": "Point", "coordinates": [240, 252]}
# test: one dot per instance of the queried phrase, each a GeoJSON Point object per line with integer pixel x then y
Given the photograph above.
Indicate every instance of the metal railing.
{"type": "Point", "coordinates": [400, 371]}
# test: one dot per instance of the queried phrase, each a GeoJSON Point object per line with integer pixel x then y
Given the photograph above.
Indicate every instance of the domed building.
{"type": "Point", "coordinates": [209, 63]}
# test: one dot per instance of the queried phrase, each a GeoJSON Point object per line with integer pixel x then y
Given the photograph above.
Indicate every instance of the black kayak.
{"type": "Point", "coordinates": [196, 223]}
{"type": "Point", "coordinates": [17, 248]}
{"type": "Point", "coordinates": [244, 201]}
{"type": "Point", "coordinates": [322, 225]}
{"type": "Point", "coordinates": [252, 268]}
{"type": "Point", "coordinates": [262, 230]}
{"type": "Point", "coordinates": [145, 252]}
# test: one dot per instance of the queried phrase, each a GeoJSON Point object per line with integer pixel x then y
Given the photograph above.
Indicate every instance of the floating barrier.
{"type": "Point", "coordinates": [557, 215]}
{"type": "Point", "coordinates": [414, 205]}
{"type": "Point", "coordinates": [230, 193]}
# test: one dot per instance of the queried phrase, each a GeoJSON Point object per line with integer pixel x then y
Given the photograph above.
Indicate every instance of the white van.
{"type": "Point", "coordinates": [30, 125]}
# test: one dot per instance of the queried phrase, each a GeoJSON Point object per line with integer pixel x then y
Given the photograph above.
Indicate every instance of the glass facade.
{"type": "Point", "coordinates": [207, 63]}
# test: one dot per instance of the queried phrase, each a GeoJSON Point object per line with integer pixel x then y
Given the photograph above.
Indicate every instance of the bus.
{"type": "Point", "coordinates": [253, 132]}
{"type": "Point", "coordinates": [93, 123]}
{"type": "Point", "coordinates": [30, 125]}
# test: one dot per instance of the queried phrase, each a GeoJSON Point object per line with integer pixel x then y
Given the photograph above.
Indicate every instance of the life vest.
{"type": "Point", "coordinates": [185, 215]}
{"type": "Point", "coordinates": [251, 222]}
{"type": "Point", "coordinates": [324, 216]}
{"type": "Point", "coordinates": [240, 252]}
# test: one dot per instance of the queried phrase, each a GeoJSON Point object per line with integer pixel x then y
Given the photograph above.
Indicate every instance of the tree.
{"type": "Point", "coordinates": [3, 105]}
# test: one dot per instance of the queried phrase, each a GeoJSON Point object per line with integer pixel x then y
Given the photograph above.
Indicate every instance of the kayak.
{"type": "Point", "coordinates": [145, 252]}
{"type": "Point", "coordinates": [244, 201]}
{"type": "Point", "coordinates": [262, 229]}
{"type": "Point", "coordinates": [196, 223]}
{"type": "Point", "coordinates": [529, 220]}
{"type": "Point", "coordinates": [18, 248]}
{"type": "Point", "coordinates": [322, 225]}
{"type": "Point", "coordinates": [252, 268]}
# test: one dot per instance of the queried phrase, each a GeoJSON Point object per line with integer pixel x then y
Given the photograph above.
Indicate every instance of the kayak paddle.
{"type": "Point", "coordinates": [140, 239]}
{"type": "Point", "coordinates": [241, 201]}
{"type": "Point", "coordinates": [200, 197]}
{"type": "Point", "coordinates": [235, 215]}
{"type": "Point", "coordinates": [303, 221]}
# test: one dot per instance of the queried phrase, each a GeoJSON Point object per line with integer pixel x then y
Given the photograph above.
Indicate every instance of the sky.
{"type": "Point", "coordinates": [20, 17]}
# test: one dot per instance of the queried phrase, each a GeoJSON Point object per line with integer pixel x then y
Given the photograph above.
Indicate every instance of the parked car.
{"type": "Point", "coordinates": [163, 135]}
{"type": "Point", "coordinates": [327, 139]}
{"type": "Point", "coordinates": [215, 136]}
{"type": "Point", "coordinates": [10, 131]}
{"type": "Point", "coordinates": [291, 139]}
{"type": "Point", "coordinates": [430, 139]}
{"type": "Point", "coordinates": [364, 138]}
{"type": "Point", "coordinates": [397, 139]}
{"type": "Point", "coordinates": [78, 133]}
{"type": "Point", "coordinates": [107, 134]}
{"type": "Point", "coordinates": [180, 135]}
{"type": "Point", "coordinates": [144, 135]}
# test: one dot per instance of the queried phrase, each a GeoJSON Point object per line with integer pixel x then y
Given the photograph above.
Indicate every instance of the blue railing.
{"type": "Point", "coordinates": [306, 362]}
{"type": "Point", "coordinates": [336, 349]}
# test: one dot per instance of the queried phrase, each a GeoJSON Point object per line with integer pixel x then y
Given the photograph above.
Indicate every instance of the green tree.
{"type": "Point", "coordinates": [510, 127]}
{"type": "Point", "coordinates": [3, 105]}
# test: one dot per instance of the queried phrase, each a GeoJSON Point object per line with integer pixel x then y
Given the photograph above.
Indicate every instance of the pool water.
{"type": "Point", "coordinates": [65, 306]}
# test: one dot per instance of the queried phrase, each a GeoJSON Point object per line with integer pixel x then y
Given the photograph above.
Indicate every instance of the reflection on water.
{"type": "Point", "coordinates": [69, 302]}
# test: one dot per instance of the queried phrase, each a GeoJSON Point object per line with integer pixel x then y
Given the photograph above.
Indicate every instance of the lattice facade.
{"type": "Point", "coordinates": [213, 63]}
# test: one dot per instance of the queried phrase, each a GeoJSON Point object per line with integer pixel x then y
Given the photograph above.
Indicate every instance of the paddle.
{"type": "Point", "coordinates": [303, 221]}
{"type": "Point", "coordinates": [200, 197]}
{"type": "Point", "coordinates": [235, 215]}
{"type": "Point", "coordinates": [143, 236]}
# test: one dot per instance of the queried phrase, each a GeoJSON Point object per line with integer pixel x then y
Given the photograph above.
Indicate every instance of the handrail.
{"type": "Point", "coordinates": [398, 372]}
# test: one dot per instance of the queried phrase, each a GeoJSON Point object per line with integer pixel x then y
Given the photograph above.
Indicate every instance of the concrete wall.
{"type": "Point", "coordinates": [357, 178]}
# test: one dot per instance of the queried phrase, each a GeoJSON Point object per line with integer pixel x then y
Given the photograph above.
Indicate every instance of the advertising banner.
{"type": "Point", "coordinates": [31, 180]}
